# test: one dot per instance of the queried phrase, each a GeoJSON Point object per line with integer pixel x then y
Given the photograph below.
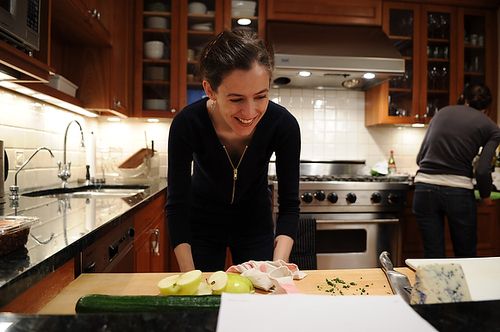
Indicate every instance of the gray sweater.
{"type": "Point", "coordinates": [453, 139]}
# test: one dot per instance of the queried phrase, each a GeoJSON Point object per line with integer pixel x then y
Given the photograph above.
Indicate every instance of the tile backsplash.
{"type": "Point", "coordinates": [331, 121]}
{"type": "Point", "coordinates": [332, 124]}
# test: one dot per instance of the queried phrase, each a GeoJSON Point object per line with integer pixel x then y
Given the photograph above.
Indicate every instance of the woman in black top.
{"type": "Point", "coordinates": [218, 155]}
{"type": "Point", "coordinates": [443, 184]}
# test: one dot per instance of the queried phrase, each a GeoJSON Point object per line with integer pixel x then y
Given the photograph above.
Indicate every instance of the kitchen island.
{"type": "Point", "coordinates": [58, 314]}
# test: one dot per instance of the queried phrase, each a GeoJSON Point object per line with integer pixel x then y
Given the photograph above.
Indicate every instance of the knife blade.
{"type": "Point", "coordinates": [398, 281]}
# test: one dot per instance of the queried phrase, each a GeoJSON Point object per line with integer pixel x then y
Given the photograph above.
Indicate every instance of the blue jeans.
{"type": "Point", "coordinates": [431, 204]}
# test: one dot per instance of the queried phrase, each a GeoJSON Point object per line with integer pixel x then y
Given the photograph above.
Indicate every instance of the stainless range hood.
{"type": "Point", "coordinates": [335, 56]}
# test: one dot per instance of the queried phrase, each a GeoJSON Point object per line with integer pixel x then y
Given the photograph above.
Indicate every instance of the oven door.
{"type": "Point", "coordinates": [346, 241]}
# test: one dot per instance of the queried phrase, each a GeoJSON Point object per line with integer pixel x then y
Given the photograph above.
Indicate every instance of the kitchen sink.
{"type": "Point", "coordinates": [90, 191]}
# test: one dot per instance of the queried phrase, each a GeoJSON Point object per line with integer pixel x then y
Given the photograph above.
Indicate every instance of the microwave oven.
{"type": "Point", "coordinates": [20, 22]}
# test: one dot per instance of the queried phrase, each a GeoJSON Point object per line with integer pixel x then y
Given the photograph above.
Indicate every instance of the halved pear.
{"type": "Point", "coordinates": [238, 284]}
{"type": "Point", "coordinates": [189, 282]}
{"type": "Point", "coordinates": [168, 285]}
{"type": "Point", "coordinates": [218, 281]}
{"type": "Point", "coordinates": [204, 288]}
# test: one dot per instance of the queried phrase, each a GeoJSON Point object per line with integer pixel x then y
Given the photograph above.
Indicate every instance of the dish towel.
{"type": "Point", "coordinates": [304, 249]}
{"type": "Point", "coordinates": [270, 275]}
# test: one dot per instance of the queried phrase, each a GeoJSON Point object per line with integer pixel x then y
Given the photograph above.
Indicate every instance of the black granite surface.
{"type": "Point", "coordinates": [67, 225]}
{"type": "Point", "coordinates": [467, 316]}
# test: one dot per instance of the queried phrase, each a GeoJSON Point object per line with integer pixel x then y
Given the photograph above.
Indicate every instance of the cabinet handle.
{"type": "Point", "coordinates": [117, 103]}
{"type": "Point", "coordinates": [94, 13]}
{"type": "Point", "coordinates": [416, 116]}
{"type": "Point", "coordinates": [155, 242]}
{"type": "Point", "coordinates": [173, 110]}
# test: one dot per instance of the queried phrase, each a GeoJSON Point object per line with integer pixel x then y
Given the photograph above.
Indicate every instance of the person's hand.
{"type": "Point", "coordinates": [282, 247]}
{"type": "Point", "coordinates": [184, 257]}
{"type": "Point", "coordinates": [487, 201]}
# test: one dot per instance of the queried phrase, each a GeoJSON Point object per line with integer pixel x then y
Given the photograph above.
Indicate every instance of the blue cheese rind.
{"type": "Point", "coordinates": [439, 283]}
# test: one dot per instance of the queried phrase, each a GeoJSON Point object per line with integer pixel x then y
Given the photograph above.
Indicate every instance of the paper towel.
{"type": "Point", "coordinates": [91, 154]}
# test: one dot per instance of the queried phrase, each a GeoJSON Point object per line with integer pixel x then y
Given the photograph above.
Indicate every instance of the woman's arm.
{"type": "Point", "coordinates": [184, 257]}
{"type": "Point", "coordinates": [282, 247]}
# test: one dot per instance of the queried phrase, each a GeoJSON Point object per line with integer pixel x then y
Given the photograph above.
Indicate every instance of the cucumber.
{"type": "Point", "coordinates": [99, 303]}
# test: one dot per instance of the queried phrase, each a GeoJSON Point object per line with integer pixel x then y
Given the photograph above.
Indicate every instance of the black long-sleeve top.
{"type": "Point", "coordinates": [192, 138]}
{"type": "Point", "coordinates": [453, 139]}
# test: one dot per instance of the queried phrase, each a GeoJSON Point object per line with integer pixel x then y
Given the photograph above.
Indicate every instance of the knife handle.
{"type": "Point", "coordinates": [385, 261]}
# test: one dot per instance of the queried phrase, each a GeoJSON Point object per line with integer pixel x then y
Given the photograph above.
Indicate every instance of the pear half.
{"type": "Point", "coordinates": [189, 282]}
{"type": "Point", "coordinates": [168, 285]}
{"type": "Point", "coordinates": [218, 281]}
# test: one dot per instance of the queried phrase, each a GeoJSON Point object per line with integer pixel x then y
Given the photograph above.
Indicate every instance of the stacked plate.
{"type": "Point", "coordinates": [202, 26]}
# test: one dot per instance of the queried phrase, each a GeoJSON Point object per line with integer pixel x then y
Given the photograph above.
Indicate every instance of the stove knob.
{"type": "Point", "coordinates": [320, 195]}
{"type": "Point", "coordinates": [307, 197]}
{"type": "Point", "coordinates": [333, 198]}
{"type": "Point", "coordinates": [376, 198]}
{"type": "Point", "coordinates": [351, 198]}
{"type": "Point", "coordinates": [393, 199]}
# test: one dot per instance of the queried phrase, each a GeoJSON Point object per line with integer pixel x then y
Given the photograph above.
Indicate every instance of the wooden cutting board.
{"type": "Point", "coordinates": [145, 284]}
{"type": "Point", "coordinates": [136, 159]}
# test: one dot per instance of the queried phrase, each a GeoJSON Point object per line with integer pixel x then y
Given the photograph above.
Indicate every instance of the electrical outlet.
{"type": "Point", "coordinates": [19, 158]}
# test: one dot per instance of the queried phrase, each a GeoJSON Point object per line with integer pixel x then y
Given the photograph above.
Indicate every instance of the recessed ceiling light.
{"type": "Point", "coordinates": [244, 21]}
{"type": "Point", "coordinates": [352, 83]}
{"type": "Point", "coordinates": [304, 73]}
{"type": "Point", "coordinates": [369, 76]}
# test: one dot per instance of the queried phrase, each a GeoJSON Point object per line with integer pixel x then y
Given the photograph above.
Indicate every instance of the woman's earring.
{"type": "Point", "coordinates": [213, 105]}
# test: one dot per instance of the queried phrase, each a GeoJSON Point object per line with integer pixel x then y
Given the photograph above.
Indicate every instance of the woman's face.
{"type": "Point", "coordinates": [242, 98]}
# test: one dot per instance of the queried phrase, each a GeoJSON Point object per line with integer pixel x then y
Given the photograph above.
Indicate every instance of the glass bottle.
{"type": "Point", "coordinates": [391, 164]}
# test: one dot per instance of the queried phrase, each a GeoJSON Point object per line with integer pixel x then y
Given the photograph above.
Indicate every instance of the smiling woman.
{"type": "Point", "coordinates": [229, 137]}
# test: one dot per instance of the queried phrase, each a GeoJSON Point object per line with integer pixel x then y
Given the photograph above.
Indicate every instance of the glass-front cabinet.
{"type": "Point", "coordinates": [156, 53]}
{"type": "Point", "coordinates": [170, 36]}
{"type": "Point", "coordinates": [445, 48]}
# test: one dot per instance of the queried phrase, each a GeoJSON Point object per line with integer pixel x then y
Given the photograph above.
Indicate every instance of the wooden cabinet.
{"type": "Point", "coordinates": [365, 12]}
{"type": "Point", "coordinates": [431, 39]}
{"type": "Point", "coordinates": [151, 241]}
{"type": "Point", "coordinates": [488, 228]}
{"type": "Point", "coordinates": [172, 82]}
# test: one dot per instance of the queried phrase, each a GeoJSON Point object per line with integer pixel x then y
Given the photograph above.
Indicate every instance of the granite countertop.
{"type": "Point", "coordinates": [465, 316]}
{"type": "Point", "coordinates": [66, 226]}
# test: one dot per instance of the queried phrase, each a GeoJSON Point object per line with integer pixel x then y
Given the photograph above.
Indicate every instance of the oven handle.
{"type": "Point", "coordinates": [358, 221]}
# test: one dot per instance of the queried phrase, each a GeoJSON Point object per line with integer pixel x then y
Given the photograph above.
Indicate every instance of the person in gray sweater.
{"type": "Point", "coordinates": [444, 181]}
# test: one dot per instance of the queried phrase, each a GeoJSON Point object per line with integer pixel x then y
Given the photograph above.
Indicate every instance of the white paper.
{"type": "Point", "coordinates": [482, 274]}
{"type": "Point", "coordinates": [308, 313]}
{"type": "Point", "coordinates": [91, 154]}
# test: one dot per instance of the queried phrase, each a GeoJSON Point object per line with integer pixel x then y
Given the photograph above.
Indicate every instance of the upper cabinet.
{"type": "Point", "coordinates": [367, 12]}
{"type": "Point", "coordinates": [440, 60]}
{"type": "Point", "coordinates": [165, 83]}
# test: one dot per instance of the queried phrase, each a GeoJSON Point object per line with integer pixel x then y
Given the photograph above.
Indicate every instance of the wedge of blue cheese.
{"type": "Point", "coordinates": [439, 283]}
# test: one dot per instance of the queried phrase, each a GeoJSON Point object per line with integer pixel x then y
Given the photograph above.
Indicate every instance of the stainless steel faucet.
{"type": "Point", "coordinates": [14, 189]}
{"type": "Point", "coordinates": [65, 167]}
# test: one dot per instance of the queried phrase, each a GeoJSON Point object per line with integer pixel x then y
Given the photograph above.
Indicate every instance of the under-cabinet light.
{"type": "Point", "coordinates": [153, 120]}
{"type": "Point", "coordinates": [244, 21]}
{"type": "Point", "coordinates": [369, 76]}
{"type": "Point", "coordinates": [46, 98]}
{"type": "Point", "coordinates": [114, 119]}
{"type": "Point", "coordinates": [304, 73]}
{"type": "Point", "coordinates": [418, 125]}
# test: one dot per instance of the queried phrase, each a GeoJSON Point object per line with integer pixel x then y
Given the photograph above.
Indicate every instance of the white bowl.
{"type": "Point", "coordinates": [243, 12]}
{"type": "Point", "coordinates": [156, 7]}
{"type": "Point", "coordinates": [197, 8]}
{"type": "Point", "coordinates": [156, 22]}
{"type": "Point", "coordinates": [238, 4]}
{"type": "Point", "coordinates": [202, 27]}
{"type": "Point", "coordinates": [155, 104]}
{"type": "Point", "coordinates": [154, 49]}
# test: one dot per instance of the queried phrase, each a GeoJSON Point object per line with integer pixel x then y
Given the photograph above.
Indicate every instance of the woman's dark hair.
{"type": "Point", "coordinates": [230, 50]}
{"type": "Point", "coordinates": [478, 96]}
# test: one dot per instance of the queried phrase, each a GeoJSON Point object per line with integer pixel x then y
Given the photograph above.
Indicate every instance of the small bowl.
{"type": "Point", "coordinates": [156, 7]}
{"type": "Point", "coordinates": [197, 8]}
{"type": "Point", "coordinates": [238, 4]}
{"type": "Point", "coordinates": [155, 104]}
{"type": "Point", "coordinates": [242, 12]}
{"type": "Point", "coordinates": [154, 49]}
{"type": "Point", "coordinates": [156, 22]}
{"type": "Point", "coordinates": [155, 73]}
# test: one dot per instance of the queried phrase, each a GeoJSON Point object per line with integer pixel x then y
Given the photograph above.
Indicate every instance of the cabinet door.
{"type": "Point", "coordinates": [367, 12]}
{"type": "Point", "coordinates": [439, 69]}
{"type": "Point", "coordinates": [156, 50]}
{"type": "Point", "coordinates": [477, 55]}
{"type": "Point", "coordinates": [399, 97]}
{"type": "Point", "coordinates": [235, 17]}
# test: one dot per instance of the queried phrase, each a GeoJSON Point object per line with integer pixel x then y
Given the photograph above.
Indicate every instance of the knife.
{"type": "Point", "coordinates": [399, 282]}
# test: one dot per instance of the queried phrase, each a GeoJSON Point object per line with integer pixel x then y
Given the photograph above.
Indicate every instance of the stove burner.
{"type": "Point", "coordinates": [347, 178]}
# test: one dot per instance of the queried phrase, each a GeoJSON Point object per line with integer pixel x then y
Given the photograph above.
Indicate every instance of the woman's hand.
{"type": "Point", "coordinates": [184, 257]}
{"type": "Point", "coordinates": [282, 247]}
